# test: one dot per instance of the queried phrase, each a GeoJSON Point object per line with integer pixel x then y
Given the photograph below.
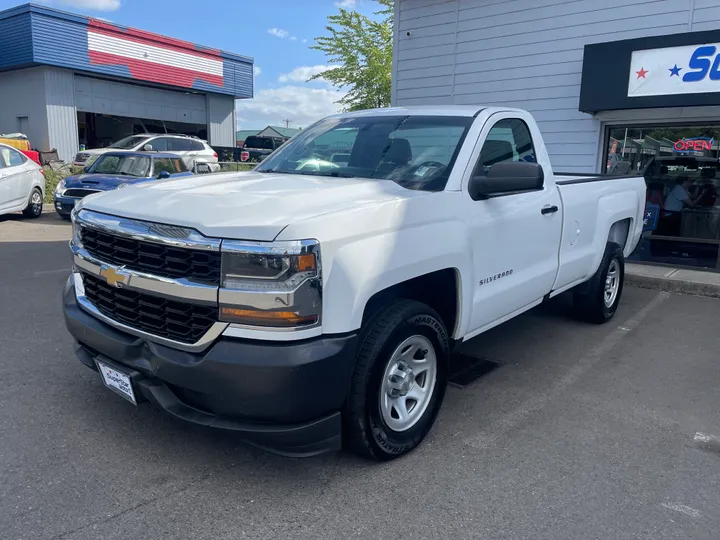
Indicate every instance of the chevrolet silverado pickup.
{"type": "Point", "coordinates": [310, 305]}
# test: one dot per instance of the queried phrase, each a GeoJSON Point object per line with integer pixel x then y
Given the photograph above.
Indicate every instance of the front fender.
{"type": "Point", "coordinates": [367, 249]}
{"type": "Point", "coordinates": [362, 268]}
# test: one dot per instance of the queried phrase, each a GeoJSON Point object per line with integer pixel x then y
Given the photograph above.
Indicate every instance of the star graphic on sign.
{"type": "Point", "coordinates": [641, 74]}
{"type": "Point", "coordinates": [146, 55]}
{"type": "Point", "coordinates": [674, 70]}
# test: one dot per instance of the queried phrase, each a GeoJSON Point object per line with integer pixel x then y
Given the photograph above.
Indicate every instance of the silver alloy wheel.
{"type": "Point", "coordinates": [408, 383]}
{"type": "Point", "coordinates": [612, 283]}
{"type": "Point", "coordinates": [36, 202]}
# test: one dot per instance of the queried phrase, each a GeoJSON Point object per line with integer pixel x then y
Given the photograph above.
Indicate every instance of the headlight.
{"type": "Point", "coordinates": [274, 285]}
{"type": "Point", "coordinates": [60, 188]}
{"type": "Point", "coordinates": [76, 239]}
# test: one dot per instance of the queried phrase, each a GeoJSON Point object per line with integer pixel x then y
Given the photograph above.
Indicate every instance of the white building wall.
{"type": "Point", "coordinates": [22, 95]}
{"type": "Point", "coordinates": [221, 120]}
{"type": "Point", "coordinates": [525, 53]}
{"type": "Point", "coordinates": [61, 112]}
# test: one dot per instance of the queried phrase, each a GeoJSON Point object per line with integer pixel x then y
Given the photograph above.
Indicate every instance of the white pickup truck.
{"type": "Point", "coordinates": [314, 302]}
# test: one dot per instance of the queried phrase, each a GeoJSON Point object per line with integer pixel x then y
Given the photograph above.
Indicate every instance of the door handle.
{"type": "Point", "coordinates": [549, 210]}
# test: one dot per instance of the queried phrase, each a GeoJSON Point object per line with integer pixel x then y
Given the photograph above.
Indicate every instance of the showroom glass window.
{"type": "Point", "coordinates": [681, 167]}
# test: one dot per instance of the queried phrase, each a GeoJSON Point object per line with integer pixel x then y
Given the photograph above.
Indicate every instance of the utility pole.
{"type": "Point", "coordinates": [287, 123]}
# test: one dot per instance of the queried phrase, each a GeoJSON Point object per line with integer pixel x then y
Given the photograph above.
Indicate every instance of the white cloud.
{"type": "Point", "coordinates": [293, 38]}
{"type": "Point", "coordinates": [346, 4]}
{"type": "Point", "coordinates": [278, 32]}
{"type": "Point", "coordinates": [96, 5]}
{"type": "Point", "coordinates": [302, 73]}
{"type": "Point", "coordinates": [304, 40]}
{"type": "Point", "coordinates": [301, 105]}
{"type": "Point", "coordinates": [256, 70]}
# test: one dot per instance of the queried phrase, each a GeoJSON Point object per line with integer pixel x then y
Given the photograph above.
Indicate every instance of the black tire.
{"type": "Point", "coordinates": [365, 432]}
{"type": "Point", "coordinates": [590, 300]}
{"type": "Point", "coordinates": [34, 210]}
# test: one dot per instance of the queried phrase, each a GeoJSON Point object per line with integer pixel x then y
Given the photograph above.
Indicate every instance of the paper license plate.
{"type": "Point", "coordinates": [117, 381]}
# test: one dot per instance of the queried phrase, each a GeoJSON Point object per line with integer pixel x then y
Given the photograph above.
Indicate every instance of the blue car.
{"type": "Point", "coordinates": [115, 170]}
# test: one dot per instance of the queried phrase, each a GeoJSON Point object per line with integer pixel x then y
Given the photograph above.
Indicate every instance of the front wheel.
{"type": "Point", "coordinates": [35, 204]}
{"type": "Point", "coordinates": [399, 381]}
{"type": "Point", "coordinates": [598, 301]}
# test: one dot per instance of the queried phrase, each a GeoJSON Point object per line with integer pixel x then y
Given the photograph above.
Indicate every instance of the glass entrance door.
{"type": "Point", "coordinates": [681, 166]}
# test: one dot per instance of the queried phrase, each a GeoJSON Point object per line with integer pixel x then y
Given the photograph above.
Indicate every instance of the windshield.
{"type": "Point", "coordinates": [417, 152]}
{"type": "Point", "coordinates": [263, 143]}
{"type": "Point", "coordinates": [128, 142]}
{"type": "Point", "coordinates": [124, 165]}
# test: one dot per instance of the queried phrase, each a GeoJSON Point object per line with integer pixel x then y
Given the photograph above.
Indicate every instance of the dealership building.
{"type": "Point", "coordinates": [68, 80]}
{"type": "Point", "coordinates": [615, 86]}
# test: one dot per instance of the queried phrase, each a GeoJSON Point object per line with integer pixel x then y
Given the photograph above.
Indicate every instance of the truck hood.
{"type": "Point", "coordinates": [246, 206]}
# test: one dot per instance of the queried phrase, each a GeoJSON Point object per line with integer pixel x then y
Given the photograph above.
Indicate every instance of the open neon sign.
{"type": "Point", "coordinates": [697, 144]}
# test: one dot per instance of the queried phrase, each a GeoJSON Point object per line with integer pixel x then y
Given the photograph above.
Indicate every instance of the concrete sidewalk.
{"type": "Point", "coordinates": [667, 278]}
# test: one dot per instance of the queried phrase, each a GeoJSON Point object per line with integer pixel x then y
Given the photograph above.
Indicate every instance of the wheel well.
{"type": "Point", "coordinates": [619, 232]}
{"type": "Point", "coordinates": [439, 290]}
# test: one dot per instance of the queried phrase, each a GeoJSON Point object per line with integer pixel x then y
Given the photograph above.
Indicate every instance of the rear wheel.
{"type": "Point", "coordinates": [598, 301]}
{"type": "Point", "coordinates": [35, 205]}
{"type": "Point", "coordinates": [399, 381]}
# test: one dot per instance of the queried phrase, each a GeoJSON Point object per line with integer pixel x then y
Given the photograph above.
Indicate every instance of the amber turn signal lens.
{"type": "Point", "coordinates": [306, 263]}
{"type": "Point", "coordinates": [275, 319]}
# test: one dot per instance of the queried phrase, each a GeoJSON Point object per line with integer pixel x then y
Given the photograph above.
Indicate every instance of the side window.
{"type": "Point", "coordinates": [508, 140]}
{"type": "Point", "coordinates": [164, 164]}
{"type": "Point", "coordinates": [11, 157]}
{"type": "Point", "coordinates": [159, 145]}
{"type": "Point", "coordinates": [197, 146]}
{"type": "Point", "coordinates": [179, 145]}
{"type": "Point", "coordinates": [178, 166]}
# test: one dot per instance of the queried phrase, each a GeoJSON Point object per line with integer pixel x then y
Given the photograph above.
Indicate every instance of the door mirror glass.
{"type": "Point", "coordinates": [148, 147]}
{"type": "Point", "coordinates": [507, 177]}
{"type": "Point", "coordinates": [163, 175]}
{"type": "Point", "coordinates": [86, 169]}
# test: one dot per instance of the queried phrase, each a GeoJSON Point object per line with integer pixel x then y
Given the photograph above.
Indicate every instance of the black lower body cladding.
{"type": "Point", "coordinates": [285, 397]}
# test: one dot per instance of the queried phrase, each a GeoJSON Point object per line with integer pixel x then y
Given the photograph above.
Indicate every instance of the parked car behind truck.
{"type": "Point", "coordinates": [257, 148]}
{"type": "Point", "coordinates": [191, 149]}
{"type": "Point", "coordinates": [114, 170]}
{"type": "Point", "coordinates": [22, 183]}
{"type": "Point", "coordinates": [309, 309]}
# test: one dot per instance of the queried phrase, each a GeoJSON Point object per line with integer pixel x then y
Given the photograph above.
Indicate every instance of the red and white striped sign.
{"type": "Point", "coordinates": [151, 57]}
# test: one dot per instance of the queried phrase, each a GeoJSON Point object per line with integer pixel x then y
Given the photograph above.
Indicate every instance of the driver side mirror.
{"type": "Point", "coordinates": [164, 175]}
{"type": "Point", "coordinates": [507, 177]}
{"type": "Point", "coordinates": [86, 169]}
{"type": "Point", "coordinates": [148, 147]}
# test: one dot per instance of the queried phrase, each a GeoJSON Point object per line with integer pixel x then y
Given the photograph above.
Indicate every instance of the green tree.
{"type": "Point", "coordinates": [359, 49]}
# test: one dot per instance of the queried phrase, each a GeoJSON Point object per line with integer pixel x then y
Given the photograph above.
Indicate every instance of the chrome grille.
{"type": "Point", "coordinates": [170, 319]}
{"type": "Point", "coordinates": [158, 259]}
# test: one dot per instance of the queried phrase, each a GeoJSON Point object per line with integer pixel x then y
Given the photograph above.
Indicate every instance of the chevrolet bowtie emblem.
{"type": "Point", "coordinates": [115, 277]}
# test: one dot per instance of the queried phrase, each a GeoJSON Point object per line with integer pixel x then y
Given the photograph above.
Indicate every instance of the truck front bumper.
{"type": "Point", "coordinates": [284, 397]}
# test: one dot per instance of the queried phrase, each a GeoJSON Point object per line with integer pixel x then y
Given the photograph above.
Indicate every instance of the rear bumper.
{"type": "Point", "coordinates": [282, 396]}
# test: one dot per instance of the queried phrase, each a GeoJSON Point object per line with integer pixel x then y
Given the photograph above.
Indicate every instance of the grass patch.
{"type": "Point", "coordinates": [236, 167]}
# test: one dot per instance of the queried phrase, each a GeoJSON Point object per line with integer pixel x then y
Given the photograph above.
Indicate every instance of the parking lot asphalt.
{"type": "Point", "coordinates": [604, 432]}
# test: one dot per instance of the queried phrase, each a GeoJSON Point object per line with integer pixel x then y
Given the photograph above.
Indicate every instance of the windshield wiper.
{"type": "Point", "coordinates": [334, 174]}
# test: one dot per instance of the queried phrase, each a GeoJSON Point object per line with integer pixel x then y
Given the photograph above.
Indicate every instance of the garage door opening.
{"type": "Point", "coordinates": [101, 130]}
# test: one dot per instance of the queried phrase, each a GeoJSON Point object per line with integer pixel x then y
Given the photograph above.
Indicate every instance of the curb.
{"type": "Point", "coordinates": [695, 287]}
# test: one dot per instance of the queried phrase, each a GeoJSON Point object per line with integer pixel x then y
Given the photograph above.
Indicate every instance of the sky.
{"type": "Point", "coordinates": [276, 33]}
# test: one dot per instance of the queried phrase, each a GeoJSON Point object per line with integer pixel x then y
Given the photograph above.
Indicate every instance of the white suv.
{"type": "Point", "coordinates": [191, 149]}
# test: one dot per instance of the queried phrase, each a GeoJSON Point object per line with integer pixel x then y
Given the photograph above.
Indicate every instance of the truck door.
{"type": "Point", "coordinates": [515, 235]}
